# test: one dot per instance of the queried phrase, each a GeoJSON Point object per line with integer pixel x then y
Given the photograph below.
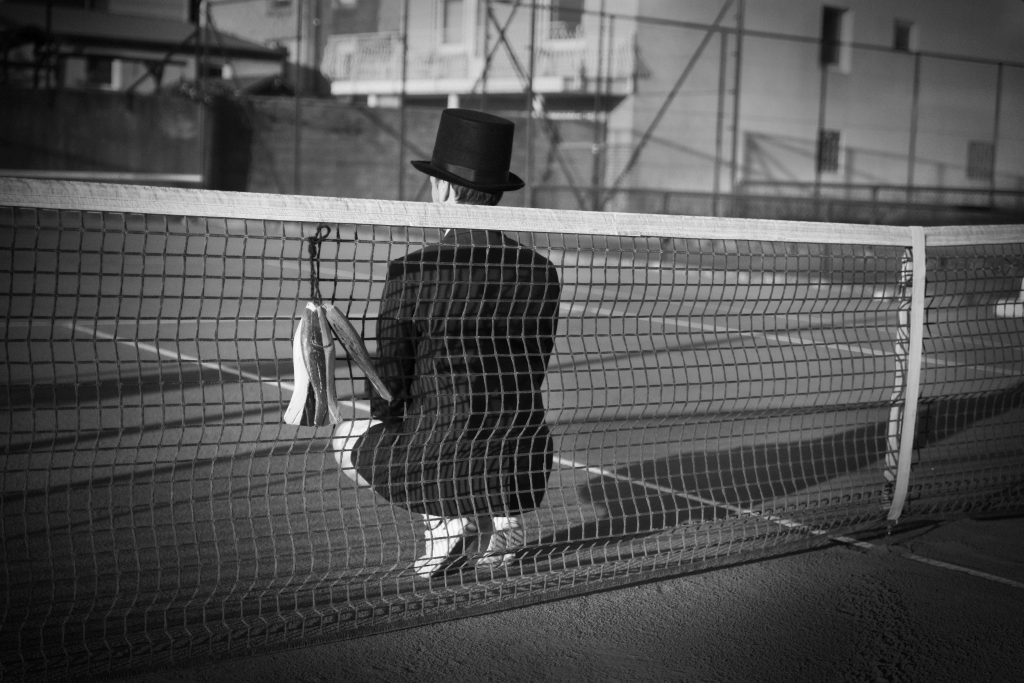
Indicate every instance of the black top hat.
{"type": "Point", "coordinates": [473, 149]}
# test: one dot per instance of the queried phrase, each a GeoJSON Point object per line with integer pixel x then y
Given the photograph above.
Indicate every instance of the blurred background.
{"type": "Point", "coordinates": [902, 112]}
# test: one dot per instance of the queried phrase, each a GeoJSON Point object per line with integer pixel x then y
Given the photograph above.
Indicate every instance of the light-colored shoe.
{"type": "Point", "coordinates": [448, 539]}
{"type": "Point", "coordinates": [296, 409]}
{"type": "Point", "coordinates": [1010, 308]}
{"type": "Point", "coordinates": [506, 538]}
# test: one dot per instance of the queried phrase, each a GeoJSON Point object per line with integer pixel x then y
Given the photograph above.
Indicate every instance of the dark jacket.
{"type": "Point", "coordinates": [466, 328]}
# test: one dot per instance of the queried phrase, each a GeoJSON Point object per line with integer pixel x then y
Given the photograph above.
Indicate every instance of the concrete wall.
{"type": "Point", "coordinates": [354, 151]}
{"type": "Point", "coordinates": [98, 131]}
{"type": "Point", "coordinates": [342, 151]}
{"type": "Point", "coordinates": [249, 144]}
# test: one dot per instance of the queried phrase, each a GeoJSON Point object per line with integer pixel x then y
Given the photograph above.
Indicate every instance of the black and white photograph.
{"type": "Point", "coordinates": [512, 340]}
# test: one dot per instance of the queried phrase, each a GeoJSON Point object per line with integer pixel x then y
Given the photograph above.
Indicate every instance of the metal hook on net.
{"type": "Point", "coordinates": [323, 231]}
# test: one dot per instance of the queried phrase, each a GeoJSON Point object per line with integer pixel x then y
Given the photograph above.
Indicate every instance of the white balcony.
{"type": "Point", "coordinates": [371, 64]}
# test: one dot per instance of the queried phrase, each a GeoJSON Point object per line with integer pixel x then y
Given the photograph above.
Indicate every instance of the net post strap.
{"type": "Point", "coordinates": [912, 379]}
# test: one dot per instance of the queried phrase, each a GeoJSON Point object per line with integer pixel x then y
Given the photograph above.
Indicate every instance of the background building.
{"type": "Point", "coordinates": [853, 110]}
{"type": "Point", "coordinates": [121, 45]}
{"type": "Point", "coordinates": [714, 96]}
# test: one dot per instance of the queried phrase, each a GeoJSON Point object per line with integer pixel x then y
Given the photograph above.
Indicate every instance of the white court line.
{"type": "Point", "coordinates": [364, 406]}
{"type": "Point", "coordinates": [963, 570]}
{"type": "Point", "coordinates": [177, 356]}
{"type": "Point", "coordinates": [575, 307]}
{"type": "Point", "coordinates": [784, 522]}
{"type": "Point", "coordinates": [743, 512]}
{"type": "Point", "coordinates": [279, 384]}
{"type": "Point", "coordinates": [791, 339]}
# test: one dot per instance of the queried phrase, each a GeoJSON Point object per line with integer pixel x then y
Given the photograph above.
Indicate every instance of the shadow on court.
{"type": "Point", "coordinates": [699, 487]}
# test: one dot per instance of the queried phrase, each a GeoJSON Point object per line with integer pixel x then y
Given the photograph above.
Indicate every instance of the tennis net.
{"type": "Point", "coordinates": [717, 390]}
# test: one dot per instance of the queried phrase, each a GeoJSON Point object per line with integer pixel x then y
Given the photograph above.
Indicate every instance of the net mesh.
{"type": "Point", "coordinates": [716, 391]}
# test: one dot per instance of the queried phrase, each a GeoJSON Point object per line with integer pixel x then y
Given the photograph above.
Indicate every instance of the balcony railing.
{"type": "Point", "coordinates": [362, 57]}
{"type": "Point", "coordinates": [373, 61]}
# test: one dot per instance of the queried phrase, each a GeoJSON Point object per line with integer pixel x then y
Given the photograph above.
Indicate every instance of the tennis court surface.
{"type": "Point", "coordinates": [942, 603]}
{"type": "Point", "coordinates": [720, 391]}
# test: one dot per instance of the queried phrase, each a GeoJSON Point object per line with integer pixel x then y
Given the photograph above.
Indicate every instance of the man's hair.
{"type": "Point", "coordinates": [466, 195]}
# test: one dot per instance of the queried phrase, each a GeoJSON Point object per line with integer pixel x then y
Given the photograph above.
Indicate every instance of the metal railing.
{"type": "Point", "coordinates": [839, 203]}
{"type": "Point", "coordinates": [973, 197]}
{"type": "Point", "coordinates": [377, 57]}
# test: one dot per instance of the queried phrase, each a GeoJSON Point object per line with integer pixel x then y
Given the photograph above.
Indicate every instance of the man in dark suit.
{"type": "Point", "coordinates": [466, 329]}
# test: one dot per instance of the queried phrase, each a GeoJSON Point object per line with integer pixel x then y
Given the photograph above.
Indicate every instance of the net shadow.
{"type": "Point", "coordinates": [689, 487]}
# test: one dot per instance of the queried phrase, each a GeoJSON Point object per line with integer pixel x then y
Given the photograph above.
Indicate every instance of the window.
{"type": "Point", "coordinates": [279, 7]}
{"type": "Point", "coordinates": [99, 72]}
{"type": "Point", "coordinates": [904, 36]}
{"type": "Point", "coordinates": [836, 36]}
{"type": "Point", "coordinates": [828, 151]}
{"type": "Point", "coordinates": [980, 157]}
{"type": "Point", "coordinates": [566, 18]}
{"type": "Point", "coordinates": [452, 22]}
{"type": "Point", "coordinates": [209, 70]}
